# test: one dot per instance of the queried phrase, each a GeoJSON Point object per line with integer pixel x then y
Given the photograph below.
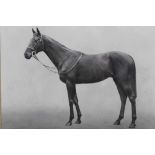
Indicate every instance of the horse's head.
{"type": "Point", "coordinates": [36, 44]}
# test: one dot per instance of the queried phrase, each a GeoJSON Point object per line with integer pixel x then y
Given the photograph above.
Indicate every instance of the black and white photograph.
{"type": "Point", "coordinates": [77, 77]}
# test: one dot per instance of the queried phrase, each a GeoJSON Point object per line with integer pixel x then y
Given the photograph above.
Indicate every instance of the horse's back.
{"type": "Point", "coordinates": [114, 62]}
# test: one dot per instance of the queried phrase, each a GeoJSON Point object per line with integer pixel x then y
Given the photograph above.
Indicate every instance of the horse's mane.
{"type": "Point", "coordinates": [56, 43]}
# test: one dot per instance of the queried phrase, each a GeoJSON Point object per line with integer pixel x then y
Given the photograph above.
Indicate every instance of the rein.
{"type": "Point", "coordinates": [52, 69]}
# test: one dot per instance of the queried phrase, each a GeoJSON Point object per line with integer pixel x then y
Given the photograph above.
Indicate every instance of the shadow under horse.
{"type": "Point", "coordinates": [76, 68]}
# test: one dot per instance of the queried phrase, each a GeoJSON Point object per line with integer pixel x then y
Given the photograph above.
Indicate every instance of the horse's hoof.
{"type": "Point", "coordinates": [117, 122]}
{"type": "Point", "coordinates": [78, 122]}
{"type": "Point", "coordinates": [68, 123]}
{"type": "Point", "coordinates": [132, 125]}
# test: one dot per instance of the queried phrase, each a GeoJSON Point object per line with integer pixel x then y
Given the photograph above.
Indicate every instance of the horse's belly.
{"type": "Point", "coordinates": [92, 79]}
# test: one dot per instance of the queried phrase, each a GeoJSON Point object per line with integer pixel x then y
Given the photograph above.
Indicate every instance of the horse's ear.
{"type": "Point", "coordinates": [38, 32]}
{"type": "Point", "coordinates": [33, 31]}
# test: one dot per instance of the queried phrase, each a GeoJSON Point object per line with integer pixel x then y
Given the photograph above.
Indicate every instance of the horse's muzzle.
{"type": "Point", "coordinates": [28, 54]}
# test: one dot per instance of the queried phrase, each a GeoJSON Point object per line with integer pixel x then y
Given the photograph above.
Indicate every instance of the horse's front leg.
{"type": "Point", "coordinates": [78, 121]}
{"type": "Point", "coordinates": [71, 94]}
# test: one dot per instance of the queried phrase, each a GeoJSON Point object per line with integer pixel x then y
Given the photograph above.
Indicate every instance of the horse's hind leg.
{"type": "Point", "coordinates": [123, 98]}
{"type": "Point", "coordinates": [133, 107]}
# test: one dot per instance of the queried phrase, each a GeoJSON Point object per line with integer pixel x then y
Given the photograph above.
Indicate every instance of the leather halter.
{"type": "Point", "coordinates": [34, 55]}
{"type": "Point", "coordinates": [51, 68]}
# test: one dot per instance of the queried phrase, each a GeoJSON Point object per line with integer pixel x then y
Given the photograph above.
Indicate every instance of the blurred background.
{"type": "Point", "coordinates": [33, 97]}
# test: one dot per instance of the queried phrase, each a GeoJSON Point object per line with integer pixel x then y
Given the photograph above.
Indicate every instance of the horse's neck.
{"type": "Point", "coordinates": [56, 52]}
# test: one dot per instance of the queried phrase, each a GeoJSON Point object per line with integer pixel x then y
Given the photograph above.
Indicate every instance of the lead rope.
{"type": "Point", "coordinates": [52, 69]}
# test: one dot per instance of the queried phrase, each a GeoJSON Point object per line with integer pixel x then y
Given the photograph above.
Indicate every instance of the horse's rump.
{"type": "Point", "coordinates": [124, 71]}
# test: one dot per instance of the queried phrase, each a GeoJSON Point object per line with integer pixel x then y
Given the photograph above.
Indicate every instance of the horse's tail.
{"type": "Point", "coordinates": [133, 78]}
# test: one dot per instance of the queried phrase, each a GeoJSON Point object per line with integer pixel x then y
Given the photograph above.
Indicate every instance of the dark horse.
{"type": "Point", "coordinates": [75, 68]}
